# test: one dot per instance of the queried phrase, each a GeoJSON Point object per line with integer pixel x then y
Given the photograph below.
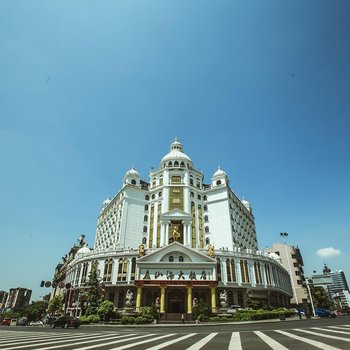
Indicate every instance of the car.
{"type": "Point", "coordinates": [65, 322]}
{"type": "Point", "coordinates": [36, 323]}
{"type": "Point", "coordinates": [325, 313]}
{"type": "Point", "coordinates": [6, 322]}
{"type": "Point", "coordinates": [22, 321]}
{"type": "Point", "coordinates": [49, 320]}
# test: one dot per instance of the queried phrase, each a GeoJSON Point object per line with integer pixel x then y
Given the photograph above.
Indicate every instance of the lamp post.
{"type": "Point", "coordinates": [307, 282]}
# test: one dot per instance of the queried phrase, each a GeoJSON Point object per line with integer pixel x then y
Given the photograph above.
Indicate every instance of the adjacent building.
{"type": "Point", "coordinates": [176, 239]}
{"type": "Point", "coordinates": [290, 257]}
{"type": "Point", "coordinates": [18, 299]}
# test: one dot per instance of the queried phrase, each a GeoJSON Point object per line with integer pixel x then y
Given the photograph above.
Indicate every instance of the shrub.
{"type": "Point", "coordinates": [138, 320]}
{"type": "Point", "coordinates": [203, 318]}
{"type": "Point", "coordinates": [83, 320]}
{"type": "Point", "coordinates": [224, 318]}
{"type": "Point", "coordinates": [200, 309]}
{"type": "Point", "coordinates": [214, 319]}
{"type": "Point", "coordinates": [96, 319]}
{"type": "Point", "coordinates": [125, 320]}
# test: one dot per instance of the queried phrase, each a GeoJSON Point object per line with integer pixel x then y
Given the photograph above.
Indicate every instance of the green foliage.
{"type": "Point", "coordinates": [150, 311]}
{"type": "Point", "coordinates": [131, 320]}
{"type": "Point", "coordinates": [203, 318]}
{"type": "Point", "coordinates": [253, 315]}
{"type": "Point", "coordinates": [200, 309]}
{"type": "Point", "coordinates": [253, 303]}
{"type": "Point", "coordinates": [95, 292]}
{"type": "Point", "coordinates": [321, 298]}
{"type": "Point", "coordinates": [224, 318]}
{"type": "Point", "coordinates": [36, 310]}
{"type": "Point", "coordinates": [214, 319]}
{"type": "Point", "coordinates": [105, 310]}
{"type": "Point", "coordinates": [125, 320]}
{"type": "Point", "coordinates": [55, 304]}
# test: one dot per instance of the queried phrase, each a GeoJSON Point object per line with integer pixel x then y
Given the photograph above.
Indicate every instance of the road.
{"type": "Point", "coordinates": [326, 334]}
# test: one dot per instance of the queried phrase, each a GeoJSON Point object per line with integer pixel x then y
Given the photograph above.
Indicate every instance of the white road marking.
{"type": "Point", "coordinates": [54, 342]}
{"type": "Point", "coordinates": [163, 345]}
{"type": "Point", "coordinates": [339, 327]}
{"type": "Point", "coordinates": [273, 344]}
{"type": "Point", "coordinates": [141, 342]}
{"type": "Point", "coordinates": [330, 330]}
{"type": "Point", "coordinates": [235, 342]}
{"type": "Point", "coordinates": [323, 335]}
{"type": "Point", "coordinates": [116, 341]}
{"type": "Point", "coordinates": [105, 337]}
{"type": "Point", "coordinates": [202, 342]}
{"type": "Point", "coordinates": [308, 341]}
{"type": "Point", "coordinates": [30, 339]}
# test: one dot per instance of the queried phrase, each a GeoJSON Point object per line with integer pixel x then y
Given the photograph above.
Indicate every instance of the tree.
{"type": "Point", "coordinates": [95, 291]}
{"type": "Point", "coordinates": [36, 310]}
{"type": "Point", "coordinates": [106, 310]}
{"type": "Point", "coordinates": [55, 304]}
{"type": "Point", "coordinates": [321, 298]}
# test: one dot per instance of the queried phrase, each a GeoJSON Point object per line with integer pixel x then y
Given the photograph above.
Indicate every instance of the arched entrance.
{"type": "Point", "coordinates": [176, 301]}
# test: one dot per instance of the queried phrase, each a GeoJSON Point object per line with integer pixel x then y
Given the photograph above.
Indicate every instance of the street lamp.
{"type": "Point", "coordinates": [308, 282]}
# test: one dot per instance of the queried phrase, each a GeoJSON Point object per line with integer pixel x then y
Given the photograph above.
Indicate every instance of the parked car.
{"type": "Point", "coordinates": [6, 322]}
{"type": "Point", "coordinates": [325, 313]}
{"type": "Point", "coordinates": [22, 321]}
{"type": "Point", "coordinates": [36, 323]}
{"type": "Point", "coordinates": [65, 322]}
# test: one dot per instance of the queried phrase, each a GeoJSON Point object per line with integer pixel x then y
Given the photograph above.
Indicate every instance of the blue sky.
{"type": "Point", "coordinates": [90, 88]}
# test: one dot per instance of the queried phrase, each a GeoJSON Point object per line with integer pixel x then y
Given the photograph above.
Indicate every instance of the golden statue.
{"type": "Point", "coordinates": [176, 234]}
{"type": "Point", "coordinates": [141, 250]}
{"type": "Point", "coordinates": [211, 250]}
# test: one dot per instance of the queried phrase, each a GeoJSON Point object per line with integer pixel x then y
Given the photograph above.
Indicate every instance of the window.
{"type": "Point", "coordinates": [294, 256]}
{"type": "Point", "coordinates": [295, 264]}
{"type": "Point", "coordinates": [182, 164]}
{"type": "Point", "coordinates": [297, 273]}
{"type": "Point", "coordinates": [207, 241]}
{"type": "Point", "coordinates": [205, 198]}
{"type": "Point", "coordinates": [133, 182]}
{"type": "Point", "coordinates": [218, 182]}
{"type": "Point", "coordinates": [176, 163]}
{"type": "Point", "coordinates": [153, 196]}
{"type": "Point", "coordinates": [107, 274]}
{"type": "Point", "coordinates": [171, 258]}
{"type": "Point", "coordinates": [144, 229]}
{"type": "Point", "coordinates": [159, 194]}
{"type": "Point", "coordinates": [176, 179]}
{"type": "Point", "coordinates": [206, 229]}
{"type": "Point", "coordinates": [206, 218]}
{"type": "Point", "coordinates": [144, 240]}
{"type": "Point", "coordinates": [191, 182]}
{"type": "Point", "coordinates": [192, 195]}
{"type": "Point", "coordinates": [278, 253]}
{"type": "Point", "coordinates": [145, 218]}
{"type": "Point", "coordinates": [147, 197]}
{"type": "Point", "coordinates": [205, 207]}
{"type": "Point", "coordinates": [146, 207]}
{"type": "Point", "coordinates": [170, 164]}
{"type": "Point", "coordinates": [199, 197]}
{"type": "Point", "coordinates": [181, 258]}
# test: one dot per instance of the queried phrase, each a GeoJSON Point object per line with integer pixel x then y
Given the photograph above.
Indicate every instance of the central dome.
{"type": "Point", "coordinates": [176, 157]}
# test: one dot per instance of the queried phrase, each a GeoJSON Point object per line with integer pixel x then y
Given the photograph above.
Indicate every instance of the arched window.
{"type": "Point", "coordinates": [218, 182]}
{"type": "Point", "coordinates": [171, 258]}
{"type": "Point", "coordinates": [146, 207]}
{"type": "Point", "coordinates": [182, 164]}
{"type": "Point", "coordinates": [153, 196]}
{"type": "Point", "coordinates": [181, 259]}
{"type": "Point", "coordinates": [199, 197]}
{"type": "Point", "coordinates": [133, 182]}
{"type": "Point", "coordinates": [192, 195]}
{"type": "Point", "coordinates": [207, 241]}
{"type": "Point", "coordinates": [144, 229]}
{"type": "Point", "coordinates": [144, 240]}
{"type": "Point", "coordinates": [84, 274]}
{"type": "Point", "coordinates": [176, 163]}
{"type": "Point", "coordinates": [228, 269]}
{"type": "Point", "coordinates": [205, 207]}
{"type": "Point", "coordinates": [205, 197]}
{"type": "Point", "coordinates": [145, 218]}
{"type": "Point", "coordinates": [206, 218]}
{"type": "Point", "coordinates": [170, 164]}
{"type": "Point", "coordinates": [133, 268]}
{"type": "Point", "coordinates": [147, 197]}
{"type": "Point", "coordinates": [159, 194]}
{"type": "Point", "coordinates": [206, 229]}
{"type": "Point", "coordinates": [107, 273]}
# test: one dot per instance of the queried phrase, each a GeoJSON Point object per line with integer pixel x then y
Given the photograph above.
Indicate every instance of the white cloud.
{"type": "Point", "coordinates": [328, 252]}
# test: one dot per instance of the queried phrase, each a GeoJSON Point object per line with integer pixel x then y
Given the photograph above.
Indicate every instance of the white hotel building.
{"type": "Point", "coordinates": [177, 239]}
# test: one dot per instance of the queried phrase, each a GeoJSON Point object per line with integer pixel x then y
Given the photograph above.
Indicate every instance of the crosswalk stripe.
{"type": "Point", "coordinates": [308, 341]}
{"type": "Point", "coordinates": [235, 342]}
{"type": "Point", "coordinates": [163, 345]}
{"type": "Point", "coordinates": [202, 342]}
{"type": "Point", "coordinates": [339, 327]}
{"type": "Point", "coordinates": [55, 341]}
{"type": "Point", "coordinates": [106, 337]}
{"type": "Point", "coordinates": [116, 341]}
{"type": "Point", "coordinates": [330, 330]}
{"type": "Point", "coordinates": [30, 339]}
{"type": "Point", "coordinates": [323, 335]}
{"type": "Point", "coordinates": [273, 344]}
{"type": "Point", "coordinates": [142, 342]}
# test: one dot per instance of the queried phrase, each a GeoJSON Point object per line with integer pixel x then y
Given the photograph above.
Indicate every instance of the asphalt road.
{"type": "Point", "coordinates": [326, 334]}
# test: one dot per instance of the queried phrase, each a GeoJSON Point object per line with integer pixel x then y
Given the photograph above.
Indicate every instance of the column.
{"type": "Point", "coordinates": [189, 299]}
{"type": "Point", "coordinates": [162, 234]}
{"type": "Point", "coordinates": [162, 299]}
{"type": "Point", "coordinates": [138, 299]}
{"type": "Point", "coordinates": [213, 299]}
{"type": "Point", "coordinates": [167, 233]}
{"type": "Point", "coordinates": [184, 232]}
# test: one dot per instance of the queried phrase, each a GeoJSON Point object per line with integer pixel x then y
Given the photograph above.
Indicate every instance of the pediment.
{"type": "Point", "coordinates": [176, 249]}
{"type": "Point", "coordinates": [176, 214]}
